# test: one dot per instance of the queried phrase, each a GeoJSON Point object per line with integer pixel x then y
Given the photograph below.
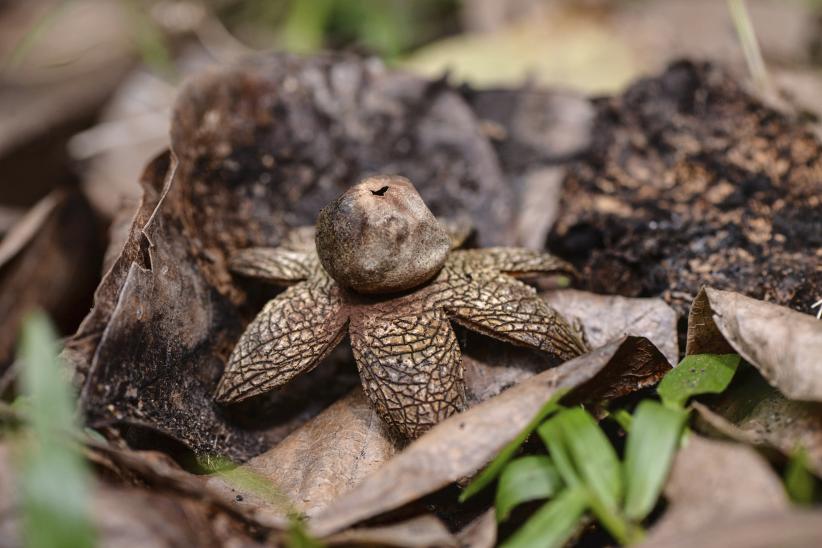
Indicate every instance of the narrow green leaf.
{"type": "Point", "coordinates": [54, 479]}
{"type": "Point", "coordinates": [554, 523]}
{"type": "Point", "coordinates": [596, 461]}
{"type": "Point", "coordinates": [553, 436]}
{"type": "Point", "coordinates": [649, 451]}
{"type": "Point", "coordinates": [507, 453]}
{"type": "Point", "coordinates": [799, 482]}
{"type": "Point", "coordinates": [697, 374]}
{"type": "Point", "coordinates": [524, 479]}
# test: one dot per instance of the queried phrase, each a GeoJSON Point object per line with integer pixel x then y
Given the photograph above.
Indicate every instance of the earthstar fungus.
{"type": "Point", "coordinates": [384, 271]}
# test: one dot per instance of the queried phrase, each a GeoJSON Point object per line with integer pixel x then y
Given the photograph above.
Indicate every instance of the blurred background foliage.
{"type": "Point", "coordinates": [594, 45]}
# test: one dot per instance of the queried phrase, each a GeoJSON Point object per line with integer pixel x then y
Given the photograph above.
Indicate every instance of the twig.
{"type": "Point", "coordinates": [750, 46]}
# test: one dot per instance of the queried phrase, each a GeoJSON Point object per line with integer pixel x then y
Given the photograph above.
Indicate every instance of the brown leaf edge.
{"type": "Point", "coordinates": [784, 345]}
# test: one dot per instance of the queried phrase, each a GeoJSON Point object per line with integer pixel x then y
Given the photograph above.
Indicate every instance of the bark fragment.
{"type": "Point", "coordinates": [691, 181]}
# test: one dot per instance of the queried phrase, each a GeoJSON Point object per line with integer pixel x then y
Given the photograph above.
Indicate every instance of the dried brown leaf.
{"type": "Point", "coordinates": [784, 345]}
{"type": "Point", "coordinates": [534, 131]}
{"type": "Point", "coordinates": [753, 412]}
{"type": "Point", "coordinates": [606, 317]}
{"type": "Point", "coordinates": [419, 532]}
{"type": "Point", "coordinates": [711, 483]}
{"type": "Point", "coordinates": [785, 528]}
{"type": "Point", "coordinates": [319, 461]}
{"type": "Point", "coordinates": [490, 368]}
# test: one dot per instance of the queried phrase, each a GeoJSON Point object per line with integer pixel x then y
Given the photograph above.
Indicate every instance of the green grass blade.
{"type": "Point", "coordinates": [553, 436]}
{"type": "Point", "coordinates": [650, 449]}
{"type": "Point", "coordinates": [593, 455]}
{"type": "Point", "coordinates": [525, 479]}
{"type": "Point", "coordinates": [507, 453]}
{"type": "Point", "coordinates": [554, 523]}
{"type": "Point", "coordinates": [697, 374]}
{"type": "Point", "coordinates": [54, 479]}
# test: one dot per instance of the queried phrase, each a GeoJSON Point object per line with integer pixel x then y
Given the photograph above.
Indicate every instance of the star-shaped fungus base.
{"type": "Point", "coordinates": [403, 343]}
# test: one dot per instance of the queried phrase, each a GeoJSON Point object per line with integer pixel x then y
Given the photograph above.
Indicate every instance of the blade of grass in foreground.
{"type": "Point", "coordinates": [527, 478]}
{"type": "Point", "coordinates": [507, 453]}
{"type": "Point", "coordinates": [652, 444]}
{"type": "Point", "coordinates": [553, 524]}
{"type": "Point", "coordinates": [594, 457]}
{"type": "Point", "coordinates": [54, 478]}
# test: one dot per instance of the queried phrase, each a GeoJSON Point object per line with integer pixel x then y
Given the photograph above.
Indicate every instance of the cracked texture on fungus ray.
{"type": "Point", "coordinates": [404, 345]}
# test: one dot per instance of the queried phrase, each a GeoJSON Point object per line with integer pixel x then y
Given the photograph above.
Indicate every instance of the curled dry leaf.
{"type": "Point", "coordinates": [786, 528]}
{"type": "Point", "coordinates": [784, 345]}
{"type": "Point", "coordinates": [606, 317]}
{"type": "Point", "coordinates": [336, 450]}
{"type": "Point", "coordinates": [318, 462]}
{"type": "Point", "coordinates": [260, 147]}
{"type": "Point", "coordinates": [49, 260]}
{"type": "Point", "coordinates": [462, 444]}
{"type": "Point", "coordinates": [713, 482]}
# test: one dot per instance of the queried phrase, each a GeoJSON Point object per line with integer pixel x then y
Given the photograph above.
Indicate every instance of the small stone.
{"type": "Point", "coordinates": [380, 237]}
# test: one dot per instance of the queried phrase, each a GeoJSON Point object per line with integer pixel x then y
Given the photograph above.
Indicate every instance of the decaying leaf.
{"type": "Point", "coordinates": [490, 367]}
{"type": "Point", "coordinates": [259, 148]}
{"type": "Point", "coordinates": [784, 345]}
{"type": "Point", "coordinates": [606, 317]}
{"type": "Point", "coordinates": [753, 412]}
{"type": "Point", "coordinates": [327, 456]}
{"type": "Point", "coordinates": [691, 181]}
{"type": "Point", "coordinates": [713, 482]}
{"type": "Point", "coordinates": [786, 528]}
{"type": "Point", "coordinates": [462, 444]}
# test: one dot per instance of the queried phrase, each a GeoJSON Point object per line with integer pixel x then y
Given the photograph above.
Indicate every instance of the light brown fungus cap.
{"type": "Point", "coordinates": [380, 237]}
